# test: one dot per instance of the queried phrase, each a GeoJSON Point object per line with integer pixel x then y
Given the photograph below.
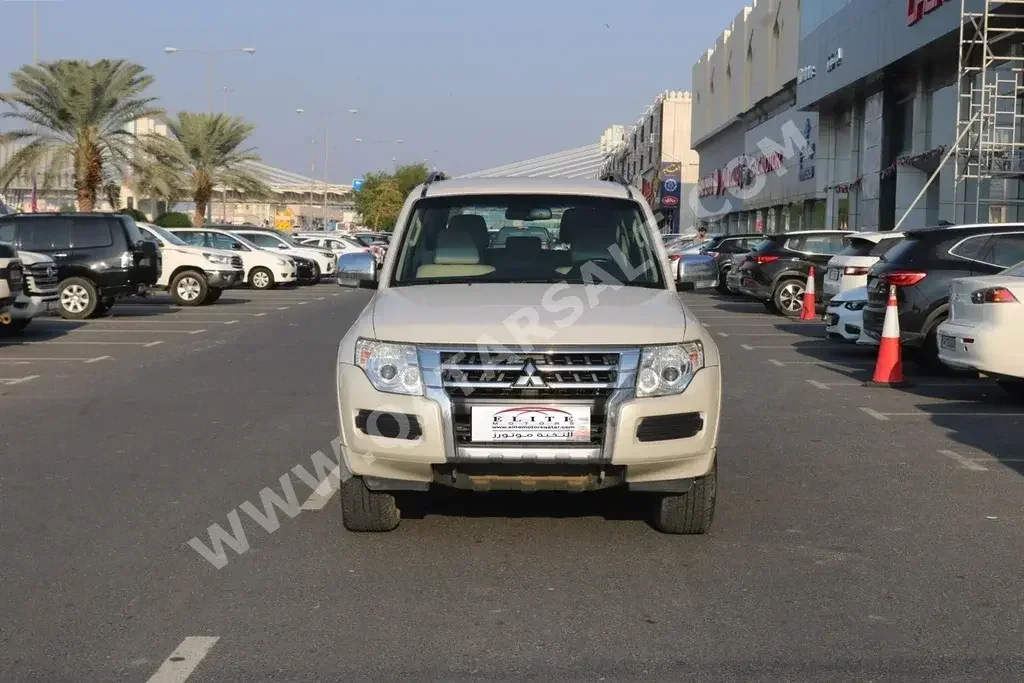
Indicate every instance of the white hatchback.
{"type": "Point", "coordinates": [983, 331]}
{"type": "Point", "coordinates": [849, 268]}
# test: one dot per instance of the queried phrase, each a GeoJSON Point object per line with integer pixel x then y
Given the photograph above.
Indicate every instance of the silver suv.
{"type": "Point", "coordinates": [483, 366]}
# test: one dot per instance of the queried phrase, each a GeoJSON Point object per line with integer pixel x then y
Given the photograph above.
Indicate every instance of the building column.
{"type": "Point", "coordinates": [871, 163]}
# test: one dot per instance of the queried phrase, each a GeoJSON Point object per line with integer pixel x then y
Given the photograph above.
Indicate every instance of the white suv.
{"type": "Point", "coordinates": [275, 240]}
{"type": "Point", "coordinates": [194, 276]}
{"type": "Point", "coordinates": [263, 269]}
{"type": "Point", "coordinates": [40, 293]}
{"type": "Point", "coordinates": [517, 367]}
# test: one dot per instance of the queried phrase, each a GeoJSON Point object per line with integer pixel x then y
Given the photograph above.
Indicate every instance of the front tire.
{"type": "Point", "coordinates": [691, 512]}
{"type": "Point", "coordinates": [789, 298]}
{"type": "Point", "coordinates": [316, 272]}
{"type": "Point", "coordinates": [189, 288]}
{"type": "Point", "coordinates": [261, 278]}
{"type": "Point", "coordinates": [78, 299]}
{"type": "Point", "coordinates": [364, 510]}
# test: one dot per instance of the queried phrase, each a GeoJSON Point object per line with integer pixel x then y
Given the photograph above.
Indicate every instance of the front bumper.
{"type": "Point", "coordinates": [224, 279]}
{"type": "Point", "coordinates": [28, 307]}
{"type": "Point", "coordinates": [842, 323]}
{"type": "Point", "coordinates": [418, 459]}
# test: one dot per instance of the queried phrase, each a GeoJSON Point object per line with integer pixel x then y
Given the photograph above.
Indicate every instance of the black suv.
{"type": "Point", "coordinates": [923, 266]}
{"type": "Point", "coordinates": [776, 270]}
{"type": "Point", "coordinates": [100, 257]}
{"type": "Point", "coordinates": [723, 247]}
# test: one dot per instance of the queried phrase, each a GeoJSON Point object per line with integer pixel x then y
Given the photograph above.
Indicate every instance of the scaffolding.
{"type": "Point", "coordinates": [989, 150]}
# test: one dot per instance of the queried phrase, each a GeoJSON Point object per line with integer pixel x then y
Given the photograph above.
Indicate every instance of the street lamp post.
{"type": "Point", "coordinates": [327, 126]}
{"type": "Point", "coordinates": [210, 54]}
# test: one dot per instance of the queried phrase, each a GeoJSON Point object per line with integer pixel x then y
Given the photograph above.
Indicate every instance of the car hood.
{"type": "Point", "coordinates": [528, 315]}
{"type": "Point", "coordinates": [31, 258]}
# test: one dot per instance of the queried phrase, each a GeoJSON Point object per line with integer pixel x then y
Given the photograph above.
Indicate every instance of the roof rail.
{"type": "Point", "coordinates": [432, 177]}
{"type": "Point", "coordinates": [613, 177]}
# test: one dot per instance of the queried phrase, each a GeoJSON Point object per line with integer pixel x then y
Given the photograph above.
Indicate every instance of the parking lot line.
{"type": "Point", "coordinates": [886, 417]}
{"type": "Point", "coordinates": [131, 320]}
{"type": "Point", "coordinates": [963, 462]}
{"type": "Point", "coordinates": [54, 342]}
{"type": "Point", "coordinates": [19, 380]}
{"type": "Point", "coordinates": [844, 363]}
{"type": "Point", "coordinates": [283, 308]}
{"type": "Point", "coordinates": [184, 660]}
{"type": "Point", "coordinates": [24, 361]}
{"type": "Point", "coordinates": [829, 385]}
{"type": "Point", "coordinates": [81, 330]}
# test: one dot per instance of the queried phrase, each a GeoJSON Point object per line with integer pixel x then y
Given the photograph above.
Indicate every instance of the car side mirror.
{"type": "Point", "coordinates": [235, 246]}
{"type": "Point", "coordinates": [149, 248]}
{"type": "Point", "coordinates": [357, 270]}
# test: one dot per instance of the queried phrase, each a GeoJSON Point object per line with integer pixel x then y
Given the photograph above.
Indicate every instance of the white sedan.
{"type": "Point", "coordinates": [844, 314]}
{"type": "Point", "coordinates": [983, 332]}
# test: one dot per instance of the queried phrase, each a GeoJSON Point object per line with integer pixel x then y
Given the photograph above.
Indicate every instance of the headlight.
{"type": "Point", "coordinates": [216, 258]}
{"type": "Point", "coordinates": [854, 305]}
{"type": "Point", "coordinates": [667, 370]}
{"type": "Point", "coordinates": [283, 262]}
{"type": "Point", "coordinates": [391, 368]}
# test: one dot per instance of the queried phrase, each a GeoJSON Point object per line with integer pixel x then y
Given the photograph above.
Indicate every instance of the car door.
{"type": "Point", "coordinates": [93, 242]}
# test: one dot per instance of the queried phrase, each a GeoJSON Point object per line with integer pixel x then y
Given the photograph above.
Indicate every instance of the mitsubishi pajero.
{"type": "Point", "coordinates": [485, 364]}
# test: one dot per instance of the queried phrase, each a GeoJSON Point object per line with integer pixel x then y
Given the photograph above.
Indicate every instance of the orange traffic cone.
{"type": "Point", "coordinates": [889, 367]}
{"type": "Point", "coordinates": [808, 310]}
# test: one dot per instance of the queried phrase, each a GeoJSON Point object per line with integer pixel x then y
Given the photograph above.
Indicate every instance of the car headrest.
{"type": "Point", "coordinates": [523, 247]}
{"type": "Point", "coordinates": [473, 225]}
{"type": "Point", "coordinates": [455, 247]}
{"type": "Point", "coordinates": [594, 241]}
{"type": "Point", "coordinates": [570, 219]}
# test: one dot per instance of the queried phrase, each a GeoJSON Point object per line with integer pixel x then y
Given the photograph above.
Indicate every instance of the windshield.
{"type": "Point", "coordinates": [502, 239]}
{"type": "Point", "coordinates": [164, 235]}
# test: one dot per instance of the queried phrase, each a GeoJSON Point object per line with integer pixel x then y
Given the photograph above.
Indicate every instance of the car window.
{"type": "Point", "coordinates": [7, 232]}
{"type": "Point", "coordinates": [38, 235]}
{"type": "Point", "coordinates": [857, 247]}
{"type": "Point", "coordinates": [816, 244]}
{"type": "Point", "coordinates": [1004, 250]}
{"type": "Point", "coordinates": [883, 246]}
{"type": "Point", "coordinates": [970, 248]}
{"type": "Point", "coordinates": [599, 239]}
{"type": "Point", "coordinates": [219, 240]}
{"type": "Point", "coordinates": [193, 239]}
{"type": "Point", "coordinates": [92, 234]}
{"type": "Point", "coordinates": [264, 240]}
{"type": "Point", "coordinates": [134, 236]}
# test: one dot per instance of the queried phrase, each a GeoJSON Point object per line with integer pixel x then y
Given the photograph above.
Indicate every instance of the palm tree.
{"type": "Point", "coordinates": [202, 152]}
{"type": "Point", "coordinates": [79, 113]}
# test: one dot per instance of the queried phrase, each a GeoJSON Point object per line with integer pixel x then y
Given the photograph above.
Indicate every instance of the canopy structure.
{"type": "Point", "coordinates": [286, 184]}
{"type": "Point", "coordinates": [579, 162]}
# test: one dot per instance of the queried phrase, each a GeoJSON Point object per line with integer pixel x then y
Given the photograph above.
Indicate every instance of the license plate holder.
{"type": "Point", "coordinates": [947, 342]}
{"type": "Point", "coordinates": [530, 423]}
{"type": "Point", "coordinates": [833, 274]}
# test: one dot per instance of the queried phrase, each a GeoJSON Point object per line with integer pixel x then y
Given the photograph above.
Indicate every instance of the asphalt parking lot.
{"type": "Point", "coordinates": [861, 533]}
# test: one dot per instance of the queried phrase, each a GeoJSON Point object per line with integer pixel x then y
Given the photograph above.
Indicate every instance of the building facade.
{"type": "Point", "coordinates": [919, 128]}
{"type": "Point", "coordinates": [655, 156]}
{"type": "Point", "coordinates": [761, 156]}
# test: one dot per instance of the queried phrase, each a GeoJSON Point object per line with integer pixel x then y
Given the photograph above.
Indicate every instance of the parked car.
{"type": "Point", "coordinates": [307, 272]}
{"type": "Point", "coordinates": [40, 293]}
{"type": "Point", "coordinates": [776, 271]}
{"type": "Point", "coordinates": [323, 260]}
{"type": "Point", "coordinates": [722, 248]}
{"type": "Point", "coordinates": [844, 314]}
{"type": "Point", "coordinates": [628, 394]}
{"type": "Point", "coordinates": [374, 242]}
{"type": "Point", "coordinates": [849, 268]}
{"type": "Point", "coordinates": [11, 280]}
{"type": "Point", "coordinates": [100, 257]}
{"type": "Point", "coordinates": [194, 276]}
{"type": "Point", "coordinates": [985, 328]}
{"type": "Point", "coordinates": [263, 269]}
{"type": "Point", "coordinates": [336, 244]}
{"type": "Point", "coordinates": [923, 266]}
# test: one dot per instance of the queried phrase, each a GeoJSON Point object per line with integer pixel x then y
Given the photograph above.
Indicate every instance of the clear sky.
{"type": "Point", "coordinates": [481, 82]}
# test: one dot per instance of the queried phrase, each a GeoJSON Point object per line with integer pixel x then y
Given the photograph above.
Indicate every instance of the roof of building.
{"type": "Point", "coordinates": [531, 185]}
{"type": "Point", "coordinates": [282, 182]}
{"type": "Point", "coordinates": [579, 162]}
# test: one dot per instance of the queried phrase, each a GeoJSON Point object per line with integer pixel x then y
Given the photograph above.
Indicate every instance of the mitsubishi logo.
{"type": "Point", "coordinates": [530, 377]}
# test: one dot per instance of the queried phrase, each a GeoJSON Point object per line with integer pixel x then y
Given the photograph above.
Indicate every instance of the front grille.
{"type": "Point", "coordinates": [236, 262]}
{"type": "Point", "coordinates": [529, 376]}
{"type": "Point", "coordinates": [41, 278]}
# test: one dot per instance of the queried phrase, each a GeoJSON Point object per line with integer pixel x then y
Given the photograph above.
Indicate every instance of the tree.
{"type": "Point", "coordinates": [409, 176]}
{"type": "Point", "coordinates": [383, 204]}
{"type": "Point", "coordinates": [112, 193]}
{"type": "Point", "coordinates": [173, 219]}
{"type": "Point", "coordinates": [79, 113]}
{"type": "Point", "coordinates": [202, 152]}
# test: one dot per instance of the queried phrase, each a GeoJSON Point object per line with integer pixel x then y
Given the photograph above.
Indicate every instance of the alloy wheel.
{"type": "Point", "coordinates": [791, 297]}
{"type": "Point", "coordinates": [74, 299]}
{"type": "Point", "coordinates": [260, 280]}
{"type": "Point", "coordinates": [189, 288]}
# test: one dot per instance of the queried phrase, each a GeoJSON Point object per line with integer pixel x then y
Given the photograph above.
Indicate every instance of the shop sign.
{"type": "Point", "coordinates": [834, 61]}
{"type": "Point", "coordinates": [916, 9]}
{"type": "Point", "coordinates": [671, 184]}
{"type": "Point", "coordinates": [805, 74]}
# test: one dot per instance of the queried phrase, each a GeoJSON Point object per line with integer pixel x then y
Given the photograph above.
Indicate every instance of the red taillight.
{"type": "Point", "coordinates": [674, 257]}
{"type": "Point", "coordinates": [855, 270]}
{"type": "Point", "coordinates": [993, 295]}
{"type": "Point", "coordinates": [762, 259]}
{"type": "Point", "coordinates": [903, 278]}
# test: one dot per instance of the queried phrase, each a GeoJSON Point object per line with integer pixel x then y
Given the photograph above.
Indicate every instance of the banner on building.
{"type": "Point", "coordinates": [670, 188]}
